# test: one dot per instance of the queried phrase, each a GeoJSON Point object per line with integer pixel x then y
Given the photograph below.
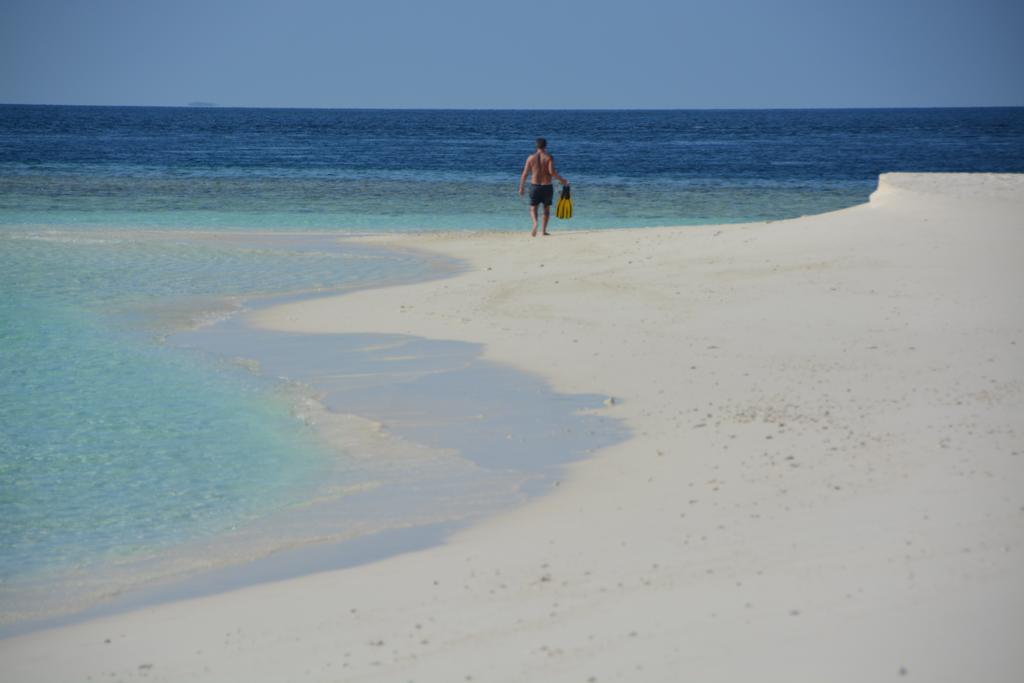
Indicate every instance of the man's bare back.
{"type": "Point", "coordinates": [541, 167]}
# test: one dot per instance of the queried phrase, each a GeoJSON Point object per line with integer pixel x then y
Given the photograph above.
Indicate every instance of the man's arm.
{"type": "Point", "coordinates": [522, 178]}
{"type": "Point", "coordinates": [554, 173]}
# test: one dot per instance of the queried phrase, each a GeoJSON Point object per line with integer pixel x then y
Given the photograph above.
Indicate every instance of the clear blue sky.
{"type": "Point", "coordinates": [517, 54]}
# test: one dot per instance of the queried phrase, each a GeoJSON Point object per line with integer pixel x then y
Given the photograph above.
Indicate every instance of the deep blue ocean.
{"type": "Point", "coordinates": [424, 170]}
{"type": "Point", "coordinates": [121, 227]}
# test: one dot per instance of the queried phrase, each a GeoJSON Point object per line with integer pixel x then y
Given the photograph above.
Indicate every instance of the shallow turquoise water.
{"type": "Point", "coordinates": [114, 443]}
{"type": "Point", "coordinates": [396, 202]}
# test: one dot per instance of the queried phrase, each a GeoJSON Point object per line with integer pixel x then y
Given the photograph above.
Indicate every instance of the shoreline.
{"type": "Point", "coordinates": [429, 473]}
{"type": "Point", "coordinates": [823, 421]}
{"type": "Point", "coordinates": [58, 594]}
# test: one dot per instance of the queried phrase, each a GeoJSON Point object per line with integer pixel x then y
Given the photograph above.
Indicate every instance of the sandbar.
{"type": "Point", "coordinates": [824, 480]}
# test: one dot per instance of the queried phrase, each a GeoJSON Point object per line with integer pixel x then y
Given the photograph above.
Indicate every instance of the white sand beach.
{"type": "Point", "coordinates": [825, 480]}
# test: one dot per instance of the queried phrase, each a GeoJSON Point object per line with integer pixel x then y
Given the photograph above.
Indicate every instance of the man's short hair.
{"type": "Point", "coordinates": [542, 143]}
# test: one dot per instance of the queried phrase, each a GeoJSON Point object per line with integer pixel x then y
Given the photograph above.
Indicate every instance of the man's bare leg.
{"type": "Point", "coordinates": [533, 215]}
{"type": "Point", "coordinates": [547, 217]}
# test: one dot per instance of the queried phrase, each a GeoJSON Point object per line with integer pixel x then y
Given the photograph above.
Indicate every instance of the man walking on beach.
{"type": "Point", "coordinates": [541, 167]}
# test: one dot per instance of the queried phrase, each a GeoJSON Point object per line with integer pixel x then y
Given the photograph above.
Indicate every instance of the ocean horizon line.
{"type": "Point", "coordinates": [236, 107]}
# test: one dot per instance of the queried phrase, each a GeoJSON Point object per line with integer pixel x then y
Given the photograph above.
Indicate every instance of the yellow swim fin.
{"type": "Point", "coordinates": [564, 208]}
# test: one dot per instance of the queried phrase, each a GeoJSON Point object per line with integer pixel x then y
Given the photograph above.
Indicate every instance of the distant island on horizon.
{"type": "Point", "coordinates": [202, 104]}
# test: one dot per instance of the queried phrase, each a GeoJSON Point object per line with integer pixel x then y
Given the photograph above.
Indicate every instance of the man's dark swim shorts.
{"type": "Point", "coordinates": [541, 194]}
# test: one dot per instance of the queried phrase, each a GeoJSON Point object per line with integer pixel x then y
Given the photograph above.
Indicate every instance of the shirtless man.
{"type": "Point", "coordinates": [541, 168]}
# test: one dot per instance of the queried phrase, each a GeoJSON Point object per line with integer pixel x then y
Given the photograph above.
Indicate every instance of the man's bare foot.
{"type": "Point", "coordinates": [546, 234]}
{"type": "Point", "coordinates": [533, 234]}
